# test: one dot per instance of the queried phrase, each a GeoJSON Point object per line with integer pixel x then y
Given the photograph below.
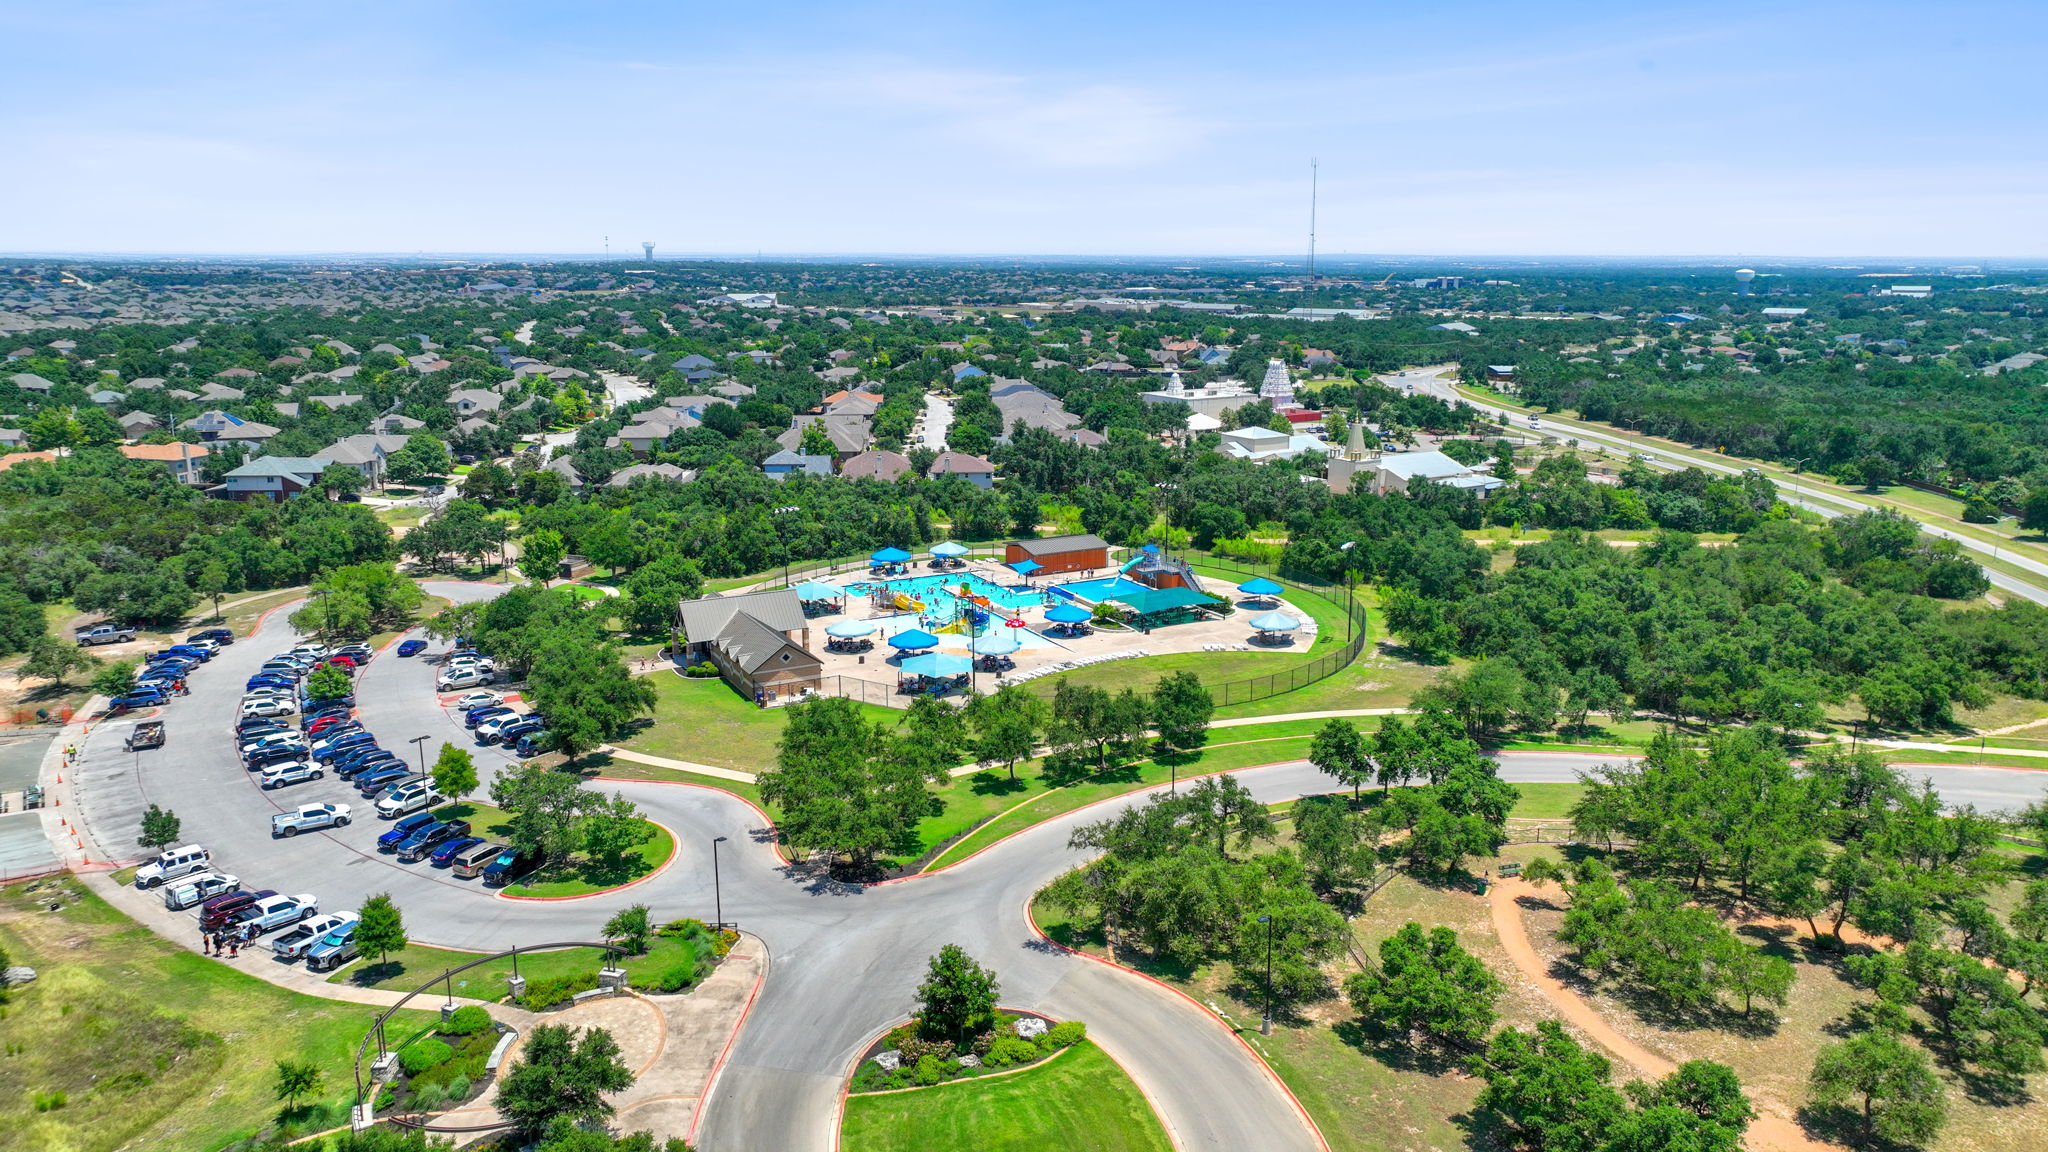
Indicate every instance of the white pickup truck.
{"type": "Point", "coordinates": [103, 634]}
{"type": "Point", "coordinates": [308, 818]}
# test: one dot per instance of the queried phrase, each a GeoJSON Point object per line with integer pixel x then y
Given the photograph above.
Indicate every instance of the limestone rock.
{"type": "Point", "coordinates": [889, 1061]}
{"type": "Point", "coordinates": [1031, 1027]}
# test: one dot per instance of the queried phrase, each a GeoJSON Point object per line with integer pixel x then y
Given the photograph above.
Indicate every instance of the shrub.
{"type": "Point", "coordinates": [932, 1070]}
{"type": "Point", "coordinates": [689, 926]}
{"type": "Point", "coordinates": [421, 1055]}
{"type": "Point", "coordinates": [1065, 1034]}
{"type": "Point", "coordinates": [458, 1087]}
{"type": "Point", "coordinates": [1004, 1051]}
{"type": "Point", "coordinates": [915, 1049]}
{"type": "Point", "coordinates": [556, 990]}
{"type": "Point", "coordinates": [679, 975]}
{"type": "Point", "coordinates": [702, 671]}
{"type": "Point", "coordinates": [430, 1096]}
{"type": "Point", "coordinates": [468, 1020]}
{"type": "Point", "coordinates": [727, 937]}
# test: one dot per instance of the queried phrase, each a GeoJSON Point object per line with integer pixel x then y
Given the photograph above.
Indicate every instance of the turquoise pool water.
{"type": "Point", "coordinates": [939, 592]}
{"type": "Point", "coordinates": [1096, 591]}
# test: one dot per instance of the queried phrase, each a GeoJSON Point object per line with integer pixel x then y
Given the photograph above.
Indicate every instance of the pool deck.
{"type": "Point", "coordinates": [1233, 632]}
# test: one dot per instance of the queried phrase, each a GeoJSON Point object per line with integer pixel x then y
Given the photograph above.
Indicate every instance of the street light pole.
{"type": "Point", "coordinates": [420, 742]}
{"type": "Point", "coordinates": [717, 887]}
{"type": "Point", "coordinates": [1266, 1021]}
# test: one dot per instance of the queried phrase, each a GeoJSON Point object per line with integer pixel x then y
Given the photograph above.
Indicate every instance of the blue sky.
{"type": "Point", "coordinates": [1461, 126]}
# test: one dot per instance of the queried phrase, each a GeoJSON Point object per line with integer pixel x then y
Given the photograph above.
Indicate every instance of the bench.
{"type": "Point", "coordinates": [592, 994]}
{"type": "Point", "coordinates": [498, 1053]}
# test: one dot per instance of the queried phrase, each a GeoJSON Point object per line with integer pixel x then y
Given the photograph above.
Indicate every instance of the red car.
{"type": "Point", "coordinates": [323, 724]}
{"type": "Point", "coordinates": [345, 663]}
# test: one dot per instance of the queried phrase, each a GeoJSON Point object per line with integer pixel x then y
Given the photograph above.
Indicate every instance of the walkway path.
{"type": "Point", "coordinates": [1773, 1126]}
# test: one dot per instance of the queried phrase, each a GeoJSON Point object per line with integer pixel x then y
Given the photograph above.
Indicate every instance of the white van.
{"type": "Point", "coordinates": [461, 678]}
{"type": "Point", "coordinates": [195, 890]}
{"type": "Point", "coordinates": [173, 863]}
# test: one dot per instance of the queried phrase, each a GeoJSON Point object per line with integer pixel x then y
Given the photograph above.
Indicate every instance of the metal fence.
{"type": "Point", "coordinates": [865, 691]}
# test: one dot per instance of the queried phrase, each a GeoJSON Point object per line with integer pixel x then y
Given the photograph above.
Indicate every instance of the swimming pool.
{"type": "Point", "coordinates": [1096, 591]}
{"type": "Point", "coordinates": [940, 594]}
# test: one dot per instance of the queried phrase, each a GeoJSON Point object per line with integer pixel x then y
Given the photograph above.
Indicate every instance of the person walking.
{"type": "Point", "coordinates": [205, 942]}
{"type": "Point", "coordinates": [234, 944]}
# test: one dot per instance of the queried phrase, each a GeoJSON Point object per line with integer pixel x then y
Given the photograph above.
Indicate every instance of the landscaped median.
{"type": "Point", "coordinates": [580, 875]}
{"type": "Point", "coordinates": [1076, 1098]}
{"type": "Point", "coordinates": [678, 955]}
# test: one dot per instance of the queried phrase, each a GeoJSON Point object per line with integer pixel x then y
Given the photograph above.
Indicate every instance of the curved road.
{"type": "Point", "coordinates": [1819, 500]}
{"type": "Point", "coordinates": [844, 960]}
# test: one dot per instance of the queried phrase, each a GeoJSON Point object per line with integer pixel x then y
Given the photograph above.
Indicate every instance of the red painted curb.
{"type": "Point", "coordinates": [675, 848]}
{"type": "Point", "coordinates": [1277, 1081]}
{"type": "Point", "coordinates": [718, 1065]}
{"type": "Point", "coordinates": [777, 844]}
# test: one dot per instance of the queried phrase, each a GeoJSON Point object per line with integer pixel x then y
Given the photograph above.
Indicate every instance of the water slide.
{"type": "Point", "coordinates": [1130, 564]}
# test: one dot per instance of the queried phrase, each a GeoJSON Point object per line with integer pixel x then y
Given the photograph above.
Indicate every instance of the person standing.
{"type": "Point", "coordinates": [205, 942]}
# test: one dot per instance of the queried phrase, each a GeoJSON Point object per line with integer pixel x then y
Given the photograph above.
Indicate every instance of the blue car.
{"type": "Point", "coordinates": [476, 716]}
{"type": "Point", "coordinates": [445, 854]}
{"type": "Point", "coordinates": [412, 647]}
{"type": "Point", "coordinates": [402, 829]}
{"type": "Point", "coordinates": [193, 651]}
{"type": "Point", "coordinates": [139, 698]}
{"type": "Point", "coordinates": [267, 680]}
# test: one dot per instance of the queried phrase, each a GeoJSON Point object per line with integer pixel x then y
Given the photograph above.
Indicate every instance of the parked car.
{"type": "Point", "coordinates": [361, 760]}
{"type": "Point", "coordinates": [268, 706]}
{"type": "Point", "coordinates": [376, 780]}
{"type": "Point", "coordinates": [358, 650]}
{"type": "Point", "coordinates": [312, 648]}
{"type": "Point", "coordinates": [211, 645]}
{"type": "Point", "coordinates": [301, 938]}
{"type": "Point", "coordinates": [335, 743]}
{"type": "Point", "coordinates": [510, 734]}
{"type": "Point", "coordinates": [325, 724]}
{"type": "Point", "coordinates": [309, 818]}
{"type": "Point", "coordinates": [271, 680]}
{"type": "Point", "coordinates": [199, 888]}
{"type": "Point", "coordinates": [468, 678]}
{"type": "Point", "coordinates": [143, 697]}
{"type": "Point", "coordinates": [531, 744]}
{"type": "Point", "coordinates": [510, 865]}
{"type": "Point", "coordinates": [224, 912]}
{"type": "Point", "coordinates": [289, 772]}
{"type": "Point", "coordinates": [421, 842]}
{"type": "Point", "coordinates": [449, 851]}
{"type": "Point", "coordinates": [470, 701]}
{"type": "Point", "coordinates": [221, 636]}
{"type": "Point", "coordinates": [411, 647]}
{"type": "Point", "coordinates": [488, 731]}
{"type": "Point", "coordinates": [270, 757]}
{"type": "Point", "coordinates": [475, 717]}
{"type": "Point", "coordinates": [333, 950]}
{"type": "Point", "coordinates": [410, 796]}
{"type": "Point", "coordinates": [172, 863]}
{"type": "Point", "coordinates": [287, 739]}
{"type": "Point", "coordinates": [401, 829]}
{"type": "Point", "coordinates": [473, 859]}
{"type": "Point", "coordinates": [198, 652]}
{"type": "Point", "coordinates": [92, 634]}
{"type": "Point", "coordinates": [250, 727]}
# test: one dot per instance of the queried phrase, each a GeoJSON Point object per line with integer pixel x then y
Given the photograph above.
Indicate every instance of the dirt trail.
{"type": "Point", "coordinates": [1773, 1127]}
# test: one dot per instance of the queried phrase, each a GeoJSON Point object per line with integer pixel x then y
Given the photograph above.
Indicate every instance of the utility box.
{"type": "Point", "coordinates": [612, 979]}
{"type": "Point", "coordinates": [516, 985]}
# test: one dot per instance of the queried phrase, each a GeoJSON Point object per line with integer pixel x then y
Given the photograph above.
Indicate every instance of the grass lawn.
{"type": "Point", "coordinates": [406, 517]}
{"type": "Point", "coordinates": [1080, 1099]}
{"type": "Point", "coordinates": [1547, 801]}
{"type": "Point", "coordinates": [582, 877]}
{"type": "Point", "coordinates": [706, 722]}
{"type": "Point", "coordinates": [404, 970]}
{"type": "Point", "coordinates": [243, 617]}
{"type": "Point", "coordinates": [152, 1045]}
{"type": "Point", "coordinates": [582, 592]}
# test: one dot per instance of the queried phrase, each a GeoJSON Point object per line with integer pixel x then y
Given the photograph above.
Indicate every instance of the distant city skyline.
{"type": "Point", "coordinates": [1138, 130]}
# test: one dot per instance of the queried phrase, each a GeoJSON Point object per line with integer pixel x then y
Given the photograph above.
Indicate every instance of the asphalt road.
{"type": "Point", "coordinates": [844, 960]}
{"type": "Point", "coordinates": [1828, 504]}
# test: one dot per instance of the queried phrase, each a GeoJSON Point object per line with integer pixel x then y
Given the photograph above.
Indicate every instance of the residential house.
{"type": "Point", "coordinates": [183, 459]}
{"type": "Point", "coordinates": [561, 466]}
{"type": "Point", "coordinates": [848, 434]}
{"type": "Point", "coordinates": [30, 382]}
{"type": "Point", "coordinates": [974, 469]}
{"type": "Point", "coordinates": [632, 472]}
{"type": "Point", "coordinates": [652, 428]}
{"type": "Point", "coordinates": [369, 453]}
{"type": "Point", "coordinates": [14, 458]}
{"type": "Point", "coordinates": [473, 401]}
{"type": "Point", "coordinates": [875, 464]}
{"type": "Point", "coordinates": [136, 425]}
{"type": "Point", "coordinates": [1084, 437]}
{"type": "Point", "coordinates": [1020, 401]}
{"type": "Point", "coordinates": [336, 402]}
{"type": "Point", "coordinates": [272, 478]}
{"type": "Point", "coordinates": [785, 462]}
{"type": "Point", "coordinates": [108, 398]}
{"type": "Point", "coordinates": [758, 641]}
{"type": "Point", "coordinates": [219, 427]}
{"type": "Point", "coordinates": [393, 424]}
{"type": "Point", "coordinates": [221, 393]}
{"type": "Point", "coordinates": [12, 438]}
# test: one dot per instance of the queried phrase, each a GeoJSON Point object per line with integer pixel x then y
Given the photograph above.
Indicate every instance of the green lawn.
{"type": "Point", "coordinates": [1079, 1100]}
{"type": "Point", "coordinates": [403, 971]}
{"type": "Point", "coordinates": [155, 1046]}
{"type": "Point", "coordinates": [1547, 801]}
{"type": "Point", "coordinates": [706, 722]}
{"type": "Point", "coordinates": [582, 877]}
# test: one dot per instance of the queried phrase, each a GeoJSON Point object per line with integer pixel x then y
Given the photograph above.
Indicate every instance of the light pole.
{"type": "Point", "coordinates": [1796, 466]}
{"type": "Point", "coordinates": [717, 888]}
{"type": "Point", "coordinates": [1266, 1021]}
{"type": "Point", "coordinates": [420, 742]}
{"type": "Point", "coordinates": [1346, 548]}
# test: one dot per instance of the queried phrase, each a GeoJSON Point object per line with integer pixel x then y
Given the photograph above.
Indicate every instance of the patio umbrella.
{"type": "Point", "coordinates": [949, 549]}
{"type": "Point", "coordinates": [1275, 622]}
{"type": "Point", "coordinates": [1152, 548]}
{"type": "Point", "coordinates": [913, 639]}
{"type": "Point", "coordinates": [1259, 586]}
{"type": "Point", "coordinates": [938, 664]}
{"type": "Point", "coordinates": [995, 644]}
{"type": "Point", "coordinates": [818, 590]}
{"type": "Point", "coordinates": [890, 556]}
{"type": "Point", "coordinates": [1015, 622]}
{"type": "Point", "coordinates": [1026, 567]}
{"type": "Point", "coordinates": [848, 629]}
{"type": "Point", "coordinates": [1066, 614]}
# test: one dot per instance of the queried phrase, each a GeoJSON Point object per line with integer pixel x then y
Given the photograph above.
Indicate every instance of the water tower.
{"type": "Point", "coordinates": [647, 246]}
{"type": "Point", "coordinates": [1742, 278]}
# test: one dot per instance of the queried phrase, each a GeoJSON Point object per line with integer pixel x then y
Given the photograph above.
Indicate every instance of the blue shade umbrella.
{"type": "Point", "coordinates": [816, 590]}
{"type": "Point", "coordinates": [949, 549]}
{"type": "Point", "coordinates": [1275, 622]}
{"type": "Point", "coordinates": [848, 629]}
{"type": "Point", "coordinates": [890, 556]}
{"type": "Point", "coordinates": [938, 664]}
{"type": "Point", "coordinates": [995, 644]}
{"type": "Point", "coordinates": [1259, 586]}
{"type": "Point", "coordinates": [914, 638]}
{"type": "Point", "coordinates": [1152, 548]}
{"type": "Point", "coordinates": [1026, 567]}
{"type": "Point", "coordinates": [1066, 614]}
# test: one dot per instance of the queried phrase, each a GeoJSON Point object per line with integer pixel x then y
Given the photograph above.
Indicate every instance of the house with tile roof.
{"type": "Point", "coordinates": [182, 459]}
{"type": "Point", "coordinates": [973, 469]}
{"type": "Point", "coordinates": [875, 464]}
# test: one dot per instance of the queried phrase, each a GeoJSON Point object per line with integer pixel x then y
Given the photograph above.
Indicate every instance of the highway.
{"type": "Point", "coordinates": [1438, 383]}
{"type": "Point", "coordinates": [844, 959]}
